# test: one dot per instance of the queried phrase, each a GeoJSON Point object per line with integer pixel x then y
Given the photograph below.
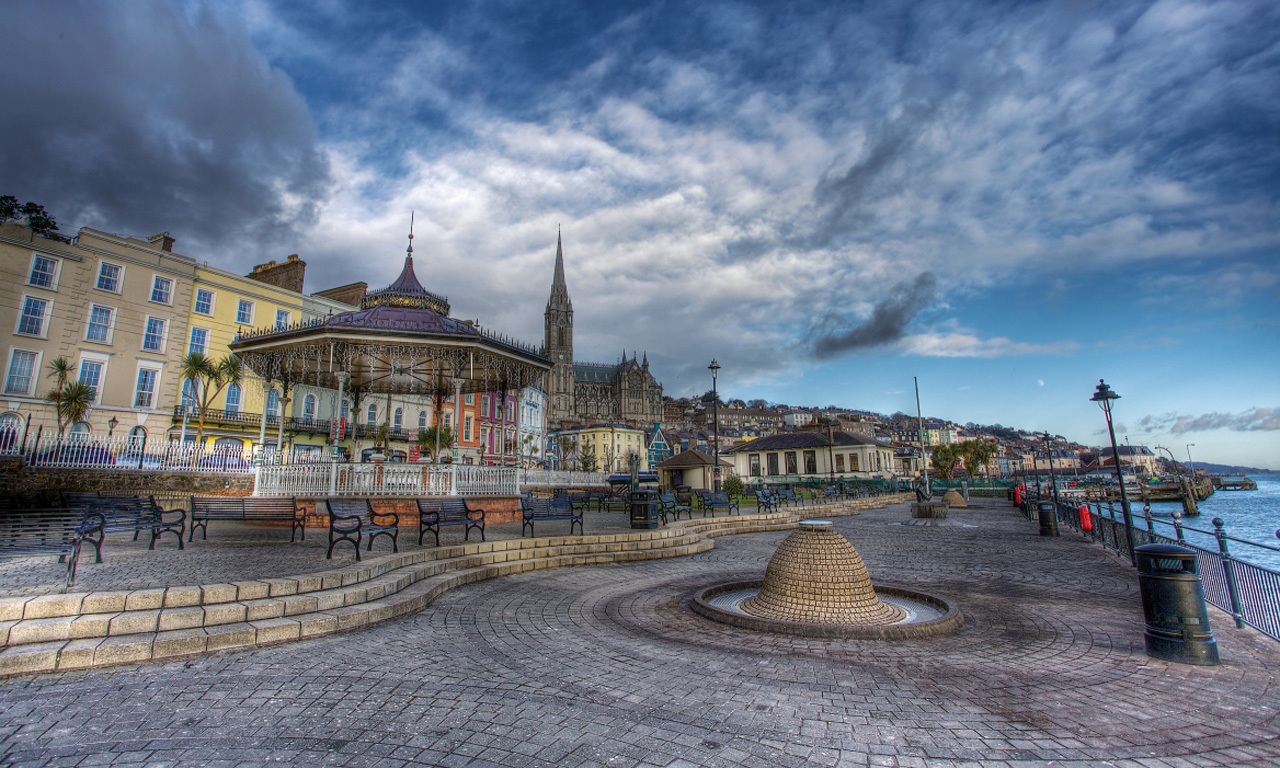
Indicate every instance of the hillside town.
{"type": "Point", "coordinates": [116, 335]}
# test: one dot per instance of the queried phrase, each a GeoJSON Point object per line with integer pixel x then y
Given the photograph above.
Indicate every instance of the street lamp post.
{"type": "Point", "coordinates": [715, 418]}
{"type": "Point", "coordinates": [111, 426]}
{"type": "Point", "coordinates": [1053, 480]}
{"type": "Point", "coordinates": [1103, 396]}
{"type": "Point", "coordinates": [1190, 466]}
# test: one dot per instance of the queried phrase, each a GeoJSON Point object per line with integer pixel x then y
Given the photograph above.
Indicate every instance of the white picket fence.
{"type": "Point", "coordinates": [74, 451]}
{"type": "Point", "coordinates": [386, 479]}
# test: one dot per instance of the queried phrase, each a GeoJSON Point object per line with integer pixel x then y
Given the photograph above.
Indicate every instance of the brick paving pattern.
{"type": "Point", "coordinates": [606, 665]}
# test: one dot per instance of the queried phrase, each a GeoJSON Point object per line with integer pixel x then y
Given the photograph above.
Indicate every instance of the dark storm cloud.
{"type": "Point", "coordinates": [1253, 420]}
{"type": "Point", "coordinates": [888, 320]}
{"type": "Point", "coordinates": [135, 118]}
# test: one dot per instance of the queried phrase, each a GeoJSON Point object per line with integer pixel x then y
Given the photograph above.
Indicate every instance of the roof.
{"type": "Point", "coordinates": [691, 458]}
{"type": "Point", "coordinates": [787, 441]}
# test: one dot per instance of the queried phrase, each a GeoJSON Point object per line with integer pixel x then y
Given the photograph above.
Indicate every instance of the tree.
{"type": "Point", "coordinates": [38, 219]}
{"type": "Point", "coordinates": [208, 379]}
{"type": "Point", "coordinates": [945, 458]}
{"type": "Point", "coordinates": [587, 459]}
{"type": "Point", "coordinates": [757, 404]}
{"type": "Point", "coordinates": [710, 397]}
{"type": "Point", "coordinates": [71, 400]}
{"type": "Point", "coordinates": [976, 454]}
{"type": "Point", "coordinates": [427, 439]}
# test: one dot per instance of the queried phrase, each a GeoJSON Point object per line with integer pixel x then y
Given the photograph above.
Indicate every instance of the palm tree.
{"type": "Point", "coordinates": [71, 400]}
{"type": "Point", "coordinates": [208, 379]}
{"type": "Point", "coordinates": [427, 439]}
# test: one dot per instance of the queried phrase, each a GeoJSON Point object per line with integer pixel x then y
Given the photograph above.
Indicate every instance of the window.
{"type": "Point", "coordinates": [145, 391]}
{"type": "Point", "coordinates": [189, 398]}
{"type": "Point", "coordinates": [91, 374]}
{"type": "Point", "coordinates": [853, 462]}
{"type": "Point", "coordinates": [273, 403]}
{"type": "Point", "coordinates": [109, 277]}
{"type": "Point", "coordinates": [372, 415]}
{"type": "Point", "coordinates": [234, 396]}
{"type": "Point", "coordinates": [754, 460]}
{"type": "Point", "coordinates": [448, 420]}
{"type": "Point", "coordinates": [199, 341]}
{"type": "Point", "coordinates": [161, 290]}
{"type": "Point", "coordinates": [204, 302]}
{"type": "Point", "coordinates": [282, 319]}
{"type": "Point", "coordinates": [790, 457]}
{"type": "Point", "coordinates": [810, 463]}
{"type": "Point", "coordinates": [466, 428]}
{"type": "Point", "coordinates": [31, 322]}
{"type": "Point", "coordinates": [99, 328]}
{"type": "Point", "coordinates": [839, 462]}
{"type": "Point", "coordinates": [309, 407]}
{"type": "Point", "coordinates": [772, 463]}
{"type": "Point", "coordinates": [345, 409]}
{"type": "Point", "coordinates": [44, 272]}
{"type": "Point", "coordinates": [22, 370]}
{"type": "Point", "coordinates": [422, 420]}
{"type": "Point", "coordinates": [398, 420]}
{"type": "Point", "coordinates": [153, 337]}
{"type": "Point", "coordinates": [244, 312]}
{"type": "Point", "coordinates": [484, 406]}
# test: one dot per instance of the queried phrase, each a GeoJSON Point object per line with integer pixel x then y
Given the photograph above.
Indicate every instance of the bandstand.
{"type": "Point", "coordinates": [401, 341]}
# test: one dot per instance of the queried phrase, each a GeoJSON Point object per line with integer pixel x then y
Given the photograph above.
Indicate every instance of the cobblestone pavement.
{"type": "Point", "coordinates": [607, 665]}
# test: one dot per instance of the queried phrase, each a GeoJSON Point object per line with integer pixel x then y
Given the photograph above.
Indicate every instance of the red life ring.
{"type": "Point", "coordinates": [1086, 520]}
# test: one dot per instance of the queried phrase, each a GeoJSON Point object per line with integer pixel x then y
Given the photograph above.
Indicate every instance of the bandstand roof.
{"type": "Point", "coordinates": [400, 340]}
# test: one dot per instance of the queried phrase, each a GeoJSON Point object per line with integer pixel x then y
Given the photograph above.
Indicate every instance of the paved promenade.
{"type": "Point", "coordinates": [606, 665]}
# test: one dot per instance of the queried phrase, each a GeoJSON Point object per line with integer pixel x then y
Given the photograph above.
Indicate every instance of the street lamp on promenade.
{"type": "Point", "coordinates": [715, 418]}
{"type": "Point", "coordinates": [1053, 480]}
{"type": "Point", "coordinates": [1103, 396]}
{"type": "Point", "coordinates": [1191, 467]}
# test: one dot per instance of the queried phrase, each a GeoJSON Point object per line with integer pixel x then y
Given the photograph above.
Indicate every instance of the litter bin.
{"type": "Point", "coordinates": [1173, 604]}
{"type": "Point", "coordinates": [1048, 519]}
{"type": "Point", "coordinates": [644, 509]}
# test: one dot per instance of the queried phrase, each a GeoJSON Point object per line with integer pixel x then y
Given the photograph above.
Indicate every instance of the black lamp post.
{"type": "Point", "coordinates": [1103, 397]}
{"type": "Point", "coordinates": [111, 425]}
{"type": "Point", "coordinates": [715, 418]}
{"type": "Point", "coordinates": [1053, 480]}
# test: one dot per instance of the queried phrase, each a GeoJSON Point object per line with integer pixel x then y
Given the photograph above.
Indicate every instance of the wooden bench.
{"type": "Point", "coordinates": [50, 531]}
{"type": "Point", "coordinates": [533, 510]}
{"type": "Point", "coordinates": [352, 519]}
{"type": "Point", "coordinates": [128, 513]}
{"type": "Point", "coordinates": [789, 496]}
{"type": "Point", "coordinates": [671, 505]}
{"type": "Point", "coordinates": [766, 501]}
{"type": "Point", "coordinates": [714, 501]}
{"type": "Point", "coordinates": [433, 513]}
{"type": "Point", "coordinates": [247, 509]}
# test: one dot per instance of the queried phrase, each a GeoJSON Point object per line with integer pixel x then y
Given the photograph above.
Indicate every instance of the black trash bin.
{"type": "Point", "coordinates": [1048, 518]}
{"type": "Point", "coordinates": [644, 509]}
{"type": "Point", "coordinates": [1173, 603]}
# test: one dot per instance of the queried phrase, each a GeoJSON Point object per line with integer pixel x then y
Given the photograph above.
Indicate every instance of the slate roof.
{"type": "Point", "coordinates": [788, 441]}
{"type": "Point", "coordinates": [691, 458]}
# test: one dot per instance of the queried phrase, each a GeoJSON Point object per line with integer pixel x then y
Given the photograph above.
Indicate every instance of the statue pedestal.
{"type": "Point", "coordinates": [929, 510]}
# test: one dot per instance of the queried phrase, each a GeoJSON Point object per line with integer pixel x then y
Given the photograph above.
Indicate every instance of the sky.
{"type": "Point", "coordinates": [1003, 201]}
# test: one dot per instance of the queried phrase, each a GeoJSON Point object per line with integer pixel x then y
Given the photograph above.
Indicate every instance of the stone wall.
{"type": "Point", "coordinates": [17, 478]}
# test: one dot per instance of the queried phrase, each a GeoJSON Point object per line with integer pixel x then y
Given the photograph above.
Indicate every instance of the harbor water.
{"type": "Point", "coordinates": [1250, 515]}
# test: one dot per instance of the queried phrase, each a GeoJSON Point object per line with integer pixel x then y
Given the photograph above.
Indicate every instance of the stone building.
{"type": "Point", "coordinates": [579, 393]}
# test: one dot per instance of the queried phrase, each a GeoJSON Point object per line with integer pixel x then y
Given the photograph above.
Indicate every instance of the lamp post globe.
{"type": "Point", "coordinates": [715, 424]}
{"type": "Point", "coordinates": [1103, 395]}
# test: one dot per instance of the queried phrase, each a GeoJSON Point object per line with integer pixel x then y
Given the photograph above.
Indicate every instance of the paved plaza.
{"type": "Point", "coordinates": [607, 666]}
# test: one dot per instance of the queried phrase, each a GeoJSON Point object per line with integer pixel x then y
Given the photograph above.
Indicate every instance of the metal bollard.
{"type": "Point", "coordinates": [1177, 621]}
{"type": "Point", "coordinates": [1048, 519]}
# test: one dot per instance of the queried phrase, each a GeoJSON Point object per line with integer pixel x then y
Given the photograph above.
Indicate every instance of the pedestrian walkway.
{"type": "Point", "coordinates": [606, 665]}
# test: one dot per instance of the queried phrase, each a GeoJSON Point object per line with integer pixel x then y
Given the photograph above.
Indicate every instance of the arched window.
{"type": "Point", "coordinates": [309, 407]}
{"type": "Point", "coordinates": [80, 431]}
{"type": "Point", "coordinates": [372, 418]}
{"type": "Point", "coordinates": [138, 435]}
{"type": "Point", "coordinates": [229, 445]}
{"type": "Point", "coordinates": [422, 420]}
{"type": "Point", "coordinates": [398, 419]}
{"type": "Point", "coordinates": [273, 402]}
{"type": "Point", "coordinates": [345, 410]}
{"type": "Point", "coordinates": [233, 398]}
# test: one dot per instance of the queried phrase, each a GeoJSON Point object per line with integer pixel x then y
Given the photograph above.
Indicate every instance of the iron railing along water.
{"type": "Point", "coordinates": [1250, 592]}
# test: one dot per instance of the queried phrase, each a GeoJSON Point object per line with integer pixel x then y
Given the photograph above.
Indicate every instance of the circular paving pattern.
{"type": "Point", "coordinates": [608, 665]}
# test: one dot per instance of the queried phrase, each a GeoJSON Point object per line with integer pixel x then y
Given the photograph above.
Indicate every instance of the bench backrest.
{"type": "Point", "coordinates": [202, 505]}
{"type": "Point", "coordinates": [28, 530]}
{"type": "Point", "coordinates": [717, 498]}
{"type": "Point", "coordinates": [788, 494]}
{"type": "Point", "coordinates": [349, 507]}
{"type": "Point", "coordinates": [543, 507]}
{"type": "Point", "coordinates": [446, 508]}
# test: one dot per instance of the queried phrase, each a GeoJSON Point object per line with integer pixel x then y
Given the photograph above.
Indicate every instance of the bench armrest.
{"type": "Point", "coordinates": [384, 518]}
{"type": "Point", "coordinates": [344, 523]}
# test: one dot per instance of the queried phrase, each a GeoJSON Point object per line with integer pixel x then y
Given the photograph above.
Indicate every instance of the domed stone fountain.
{"type": "Point", "coordinates": [816, 584]}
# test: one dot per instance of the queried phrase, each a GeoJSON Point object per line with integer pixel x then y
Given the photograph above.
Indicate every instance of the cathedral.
{"type": "Point", "coordinates": [588, 393]}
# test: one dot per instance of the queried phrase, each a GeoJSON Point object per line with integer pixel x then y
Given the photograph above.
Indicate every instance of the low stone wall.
{"type": "Point", "coordinates": [15, 477]}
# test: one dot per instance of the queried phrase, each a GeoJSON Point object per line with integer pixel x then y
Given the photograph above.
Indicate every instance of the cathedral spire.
{"type": "Point", "coordinates": [559, 291]}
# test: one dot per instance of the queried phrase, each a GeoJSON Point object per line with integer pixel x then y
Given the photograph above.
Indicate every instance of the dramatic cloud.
{"type": "Point", "coordinates": [136, 118]}
{"type": "Point", "coordinates": [888, 321]}
{"type": "Point", "coordinates": [1254, 420]}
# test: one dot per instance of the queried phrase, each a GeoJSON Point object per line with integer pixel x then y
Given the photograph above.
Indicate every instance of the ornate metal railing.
{"type": "Point", "coordinates": [1250, 592]}
{"type": "Point", "coordinates": [125, 452]}
{"type": "Point", "coordinates": [561, 478]}
{"type": "Point", "coordinates": [321, 479]}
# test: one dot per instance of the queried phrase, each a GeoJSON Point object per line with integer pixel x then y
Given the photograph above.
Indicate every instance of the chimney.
{"type": "Point", "coordinates": [163, 240]}
{"type": "Point", "coordinates": [288, 275]}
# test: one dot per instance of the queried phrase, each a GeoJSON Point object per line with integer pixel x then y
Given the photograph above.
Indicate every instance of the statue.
{"type": "Point", "coordinates": [922, 490]}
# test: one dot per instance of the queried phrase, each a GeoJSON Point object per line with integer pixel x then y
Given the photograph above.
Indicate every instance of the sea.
{"type": "Point", "coordinates": [1249, 515]}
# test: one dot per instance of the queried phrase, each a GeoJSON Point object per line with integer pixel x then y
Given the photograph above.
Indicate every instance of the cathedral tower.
{"type": "Point", "coordinates": [558, 343]}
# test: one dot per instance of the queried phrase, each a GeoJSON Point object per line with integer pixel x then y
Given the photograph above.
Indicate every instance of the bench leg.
{"type": "Point", "coordinates": [344, 537]}
{"type": "Point", "coordinates": [423, 532]}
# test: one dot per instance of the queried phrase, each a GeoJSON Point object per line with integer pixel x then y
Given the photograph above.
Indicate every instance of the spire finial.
{"type": "Point", "coordinates": [409, 250]}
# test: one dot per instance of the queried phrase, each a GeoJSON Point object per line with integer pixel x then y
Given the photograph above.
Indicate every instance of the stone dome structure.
{"type": "Point", "coordinates": [816, 576]}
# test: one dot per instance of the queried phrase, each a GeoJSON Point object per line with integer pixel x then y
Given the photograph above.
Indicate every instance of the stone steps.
{"type": "Point", "coordinates": [75, 631]}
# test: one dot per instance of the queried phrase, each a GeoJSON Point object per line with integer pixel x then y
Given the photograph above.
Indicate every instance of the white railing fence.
{"type": "Point", "coordinates": [558, 478]}
{"type": "Point", "coordinates": [75, 451]}
{"type": "Point", "coordinates": [386, 479]}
